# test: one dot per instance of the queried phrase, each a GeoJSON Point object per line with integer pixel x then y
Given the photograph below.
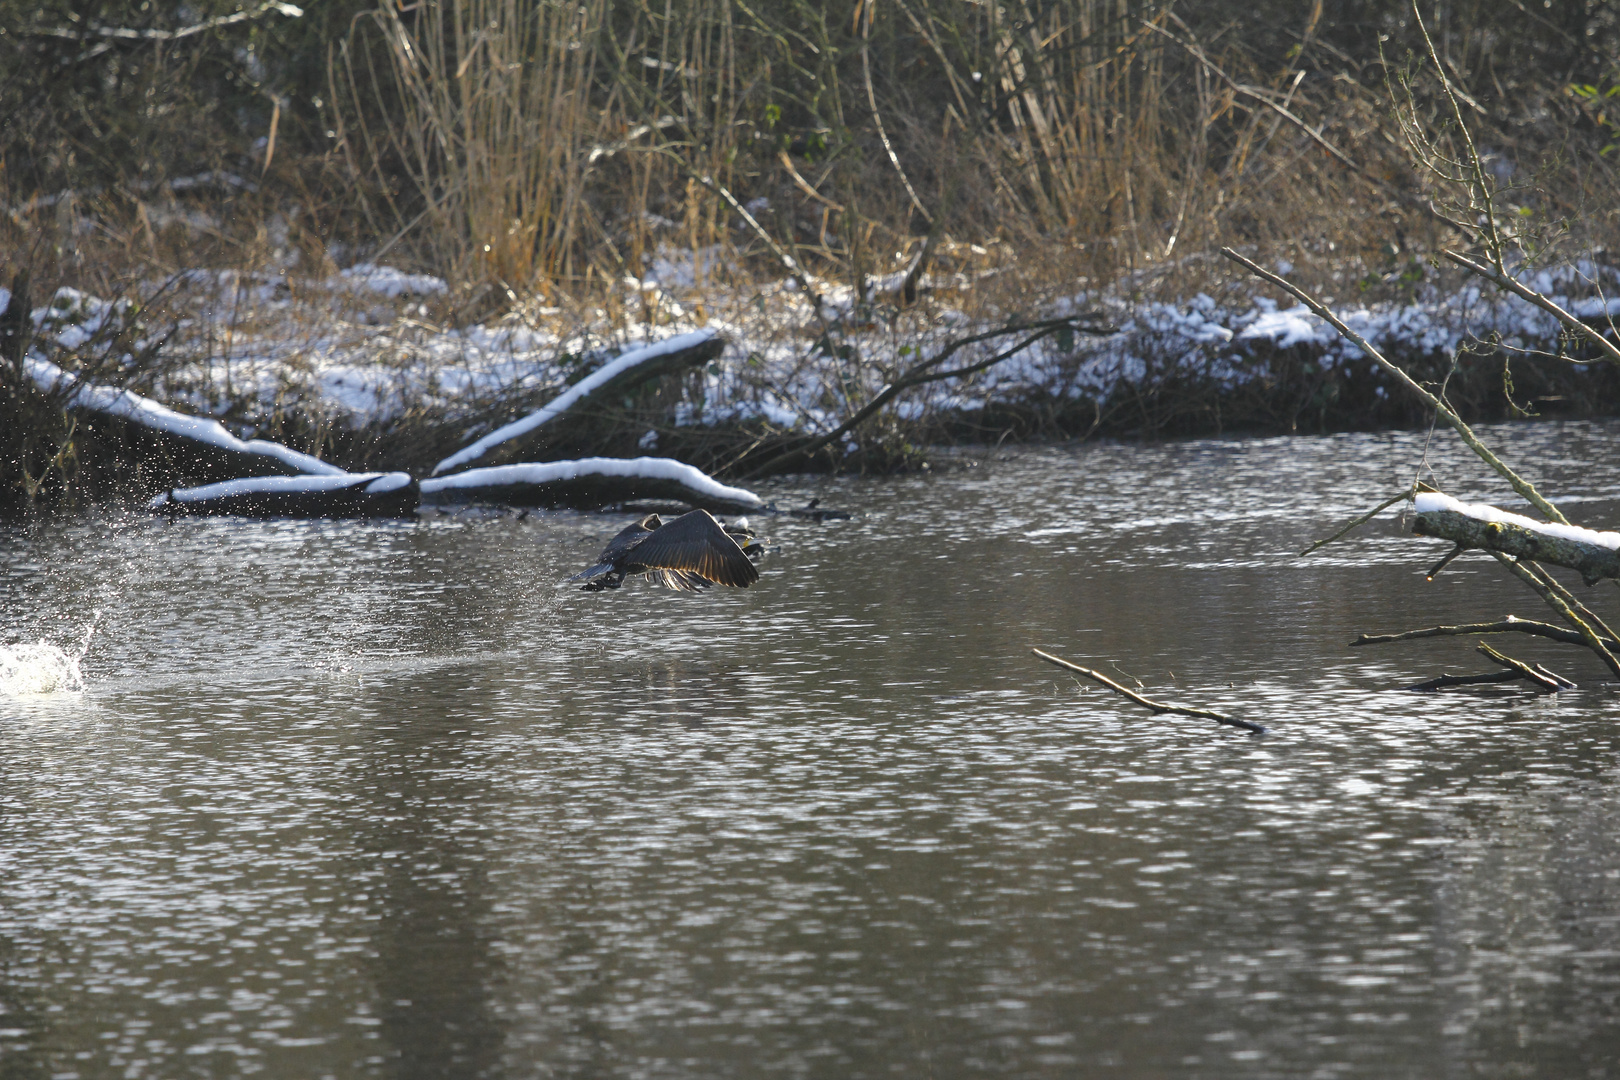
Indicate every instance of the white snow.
{"type": "Point", "coordinates": [1431, 501]}
{"type": "Point", "coordinates": [387, 281]}
{"type": "Point", "coordinates": [282, 485]}
{"type": "Point", "coordinates": [148, 413]}
{"type": "Point", "coordinates": [1286, 329]}
{"type": "Point", "coordinates": [391, 481]}
{"type": "Point", "coordinates": [552, 471]}
{"type": "Point", "coordinates": [562, 402]}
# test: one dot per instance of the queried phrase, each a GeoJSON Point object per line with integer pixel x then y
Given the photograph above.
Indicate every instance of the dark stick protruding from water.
{"type": "Point", "coordinates": [1546, 680]}
{"type": "Point", "coordinates": [1156, 706]}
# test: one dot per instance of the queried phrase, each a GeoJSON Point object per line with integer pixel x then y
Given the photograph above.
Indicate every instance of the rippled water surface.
{"type": "Point", "coordinates": [355, 800]}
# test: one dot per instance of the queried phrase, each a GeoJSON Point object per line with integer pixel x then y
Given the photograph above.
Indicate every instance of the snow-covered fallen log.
{"type": "Point", "coordinates": [589, 483]}
{"type": "Point", "coordinates": [630, 370]}
{"type": "Point", "coordinates": [346, 495]}
{"type": "Point", "coordinates": [1475, 525]}
{"type": "Point", "coordinates": [207, 438]}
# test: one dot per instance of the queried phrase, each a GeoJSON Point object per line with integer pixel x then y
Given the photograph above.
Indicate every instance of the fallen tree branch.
{"type": "Point", "coordinates": [1154, 706]}
{"type": "Point", "coordinates": [618, 376]}
{"type": "Point", "coordinates": [1445, 681]}
{"type": "Point", "coordinates": [1510, 625]}
{"type": "Point", "coordinates": [1474, 525]}
{"type": "Point", "coordinates": [927, 371]}
{"type": "Point", "coordinates": [1530, 673]}
{"type": "Point", "coordinates": [1548, 681]}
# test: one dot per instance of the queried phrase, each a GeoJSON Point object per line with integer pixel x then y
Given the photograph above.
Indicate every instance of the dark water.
{"type": "Point", "coordinates": [359, 800]}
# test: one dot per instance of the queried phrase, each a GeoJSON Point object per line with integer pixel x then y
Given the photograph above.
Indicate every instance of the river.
{"type": "Point", "coordinates": [380, 799]}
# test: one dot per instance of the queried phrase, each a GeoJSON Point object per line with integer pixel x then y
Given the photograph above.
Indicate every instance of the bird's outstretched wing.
{"type": "Point", "coordinates": [694, 544]}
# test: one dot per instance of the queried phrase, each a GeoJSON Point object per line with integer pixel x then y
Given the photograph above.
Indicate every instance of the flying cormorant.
{"type": "Point", "coordinates": [691, 552]}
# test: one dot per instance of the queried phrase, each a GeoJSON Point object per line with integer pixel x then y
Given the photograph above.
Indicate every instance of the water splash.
{"type": "Point", "coordinates": [43, 668]}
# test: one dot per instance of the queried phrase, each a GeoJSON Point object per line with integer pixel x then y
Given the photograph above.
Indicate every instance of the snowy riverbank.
{"type": "Point", "coordinates": [367, 350]}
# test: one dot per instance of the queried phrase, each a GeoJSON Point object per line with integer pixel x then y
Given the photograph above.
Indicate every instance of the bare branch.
{"type": "Point", "coordinates": [1510, 625]}
{"type": "Point", "coordinates": [1536, 674]}
{"type": "Point", "coordinates": [1155, 706]}
{"type": "Point", "coordinates": [926, 371]}
{"type": "Point", "coordinates": [1521, 485]}
{"type": "Point", "coordinates": [1254, 93]}
{"type": "Point", "coordinates": [127, 34]}
{"type": "Point", "coordinates": [1503, 280]}
{"type": "Point", "coordinates": [1362, 520]}
{"type": "Point", "coordinates": [1445, 681]}
{"type": "Point", "coordinates": [1527, 573]}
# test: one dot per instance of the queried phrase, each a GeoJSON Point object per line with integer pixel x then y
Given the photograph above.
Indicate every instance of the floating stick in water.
{"type": "Point", "coordinates": [1156, 706]}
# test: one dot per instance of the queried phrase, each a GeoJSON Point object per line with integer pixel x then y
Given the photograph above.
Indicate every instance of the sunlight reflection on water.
{"type": "Point", "coordinates": [362, 799]}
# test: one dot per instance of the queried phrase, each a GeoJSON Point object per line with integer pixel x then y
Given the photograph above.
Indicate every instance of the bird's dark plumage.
{"type": "Point", "coordinates": [691, 552]}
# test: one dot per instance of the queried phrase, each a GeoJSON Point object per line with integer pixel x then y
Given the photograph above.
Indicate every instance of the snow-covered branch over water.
{"type": "Point", "coordinates": [1475, 525]}
{"type": "Point", "coordinates": [148, 413]}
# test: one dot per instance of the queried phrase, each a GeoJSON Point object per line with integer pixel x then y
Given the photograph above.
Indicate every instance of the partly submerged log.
{"type": "Point", "coordinates": [1596, 555]}
{"type": "Point", "coordinates": [1544, 679]}
{"type": "Point", "coordinates": [591, 483]}
{"type": "Point", "coordinates": [348, 495]}
{"type": "Point", "coordinates": [630, 370]}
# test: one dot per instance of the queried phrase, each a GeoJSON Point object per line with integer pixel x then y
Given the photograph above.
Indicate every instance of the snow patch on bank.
{"type": "Point", "coordinates": [389, 282]}
{"type": "Point", "coordinates": [359, 349]}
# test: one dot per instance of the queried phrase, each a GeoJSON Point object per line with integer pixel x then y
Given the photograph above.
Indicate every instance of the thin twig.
{"type": "Point", "coordinates": [1518, 288]}
{"type": "Point", "coordinates": [1521, 485]}
{"type": "Point", "coordinates": [804, 185]}
{"type": "Point", "coordinates": [927, 371]}
{"type": "Point", "coordinates": [1155, 706]}
{"type": "Point", "coordinates": [1261, 96]}
{"type": "Point", "coordinates": [128, 34]}
{"type": "Point", "coordinates": [877, 117]}
{"type": "Point", "coordinates": [1509, 625]}
{"type": "Point", "coordinates": [1445, 561]}
{"type": "Point", "coordinates": [1362, 520]}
